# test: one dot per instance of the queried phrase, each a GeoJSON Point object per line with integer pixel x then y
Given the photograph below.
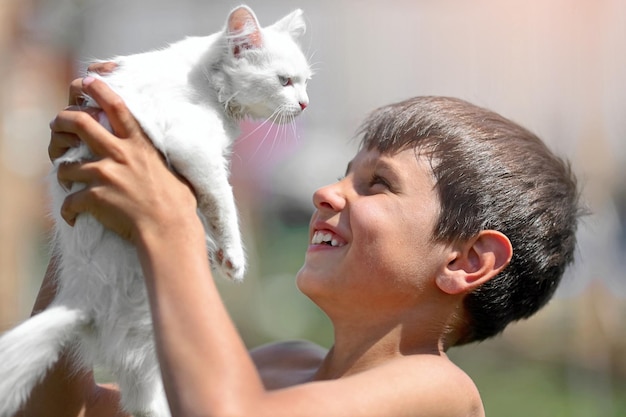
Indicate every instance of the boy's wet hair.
{"type": "Point", "coordinates": [490, 174]}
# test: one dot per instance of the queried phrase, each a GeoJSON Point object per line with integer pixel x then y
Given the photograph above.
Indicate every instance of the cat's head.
{"type": "Point", "coordinates": [265, 70]}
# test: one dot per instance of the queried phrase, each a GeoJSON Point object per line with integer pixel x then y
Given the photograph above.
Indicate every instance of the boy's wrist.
{"type": "Point", "coordinates": [180, 231]}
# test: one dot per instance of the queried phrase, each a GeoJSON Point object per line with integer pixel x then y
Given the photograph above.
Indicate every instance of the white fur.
{"type": "Point", "coordinates": [188, 98]}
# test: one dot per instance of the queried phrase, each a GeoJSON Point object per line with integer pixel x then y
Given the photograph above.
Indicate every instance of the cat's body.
{"type": "Point", "coordinates": [188, 99]}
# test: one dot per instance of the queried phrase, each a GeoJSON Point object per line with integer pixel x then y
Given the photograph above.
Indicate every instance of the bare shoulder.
{"type": "Point", "coordinates": [288, 363]}
{"type": "Point", "coordinates": [413, 385]}
{"type": "Point", "coordinates": [439, 384]}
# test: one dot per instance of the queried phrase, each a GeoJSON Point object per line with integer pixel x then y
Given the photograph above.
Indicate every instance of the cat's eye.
{"type": "Point", "coordinates": [285, 81]}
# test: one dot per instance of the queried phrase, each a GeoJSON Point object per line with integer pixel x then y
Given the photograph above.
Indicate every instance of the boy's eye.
{"type": "Point", "coordinates": [285, 81]}
{"type": "Point", "coordinates": [377, 179]}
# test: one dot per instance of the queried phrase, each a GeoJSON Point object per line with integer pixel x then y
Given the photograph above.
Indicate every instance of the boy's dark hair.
{"type": "Point", "coordinates": [490, 174]}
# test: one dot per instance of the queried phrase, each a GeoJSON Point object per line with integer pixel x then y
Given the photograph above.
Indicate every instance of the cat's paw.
{"type": "Point", "coordinates": [230, 262]}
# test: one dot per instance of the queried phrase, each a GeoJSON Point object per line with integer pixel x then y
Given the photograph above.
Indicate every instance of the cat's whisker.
{"type": "Point", "coordinates": [282, 134]}
{"type": "Point", "coordinates": [276, 127]}
{"type": "Point", "coordinates": [262, 141]}
{"type": "Point", "coordinates": [281, 131]}
{"type": "Point", "coordinates": [272, 121]}
{"type": "Point", "coordinates": [313, 66]}
{"type": "Point", "coordinates": [249, 134]}
{"type": "Point", "coordinates": [289, 131]}
{"type": "Point", "coordinates": [283, 115]}
{"type": "Point", "coordinates": [275, 117]}
{"type": "Point", "coordinates": [290, 123]}
{"type": "Point", "coordinates": [293, 128]}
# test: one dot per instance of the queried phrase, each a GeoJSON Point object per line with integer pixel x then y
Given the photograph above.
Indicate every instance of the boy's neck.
{"type": "Point", "coordinates": [357, 351]}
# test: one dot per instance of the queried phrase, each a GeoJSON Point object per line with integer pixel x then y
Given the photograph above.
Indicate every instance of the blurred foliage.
{"type": "Point", "coordinates": [516, 386]}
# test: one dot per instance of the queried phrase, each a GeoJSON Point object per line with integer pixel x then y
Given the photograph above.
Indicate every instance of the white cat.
{"type": "Point", "coordinates": [188, 98]}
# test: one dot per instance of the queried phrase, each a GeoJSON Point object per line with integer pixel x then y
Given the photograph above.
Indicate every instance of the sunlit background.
{"type": "Point", "coordinates": [557, 67]}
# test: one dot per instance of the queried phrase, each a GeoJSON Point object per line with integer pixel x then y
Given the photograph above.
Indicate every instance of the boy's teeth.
{"type": "Point", "coordinates": [320, 237]}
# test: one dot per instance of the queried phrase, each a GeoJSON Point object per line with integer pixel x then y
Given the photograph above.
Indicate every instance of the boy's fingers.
{"type": "Point", "coordinates": [74, 204]}
{"type": "Point", "coordinates": [76, 94]}
{"type": "Point", "coordinates": [85, 201]}
{"type": "Point", "coordinates": [61, 143]}
{"type": "Point", "coordinates": [122, 121]}
{"type": "Point", "coordinates": [76, 172]}
{"type": "Point", "coordinates": [84, 126]}
{"type": "Point", "coordinates": [88, 173]}
{"type": "Point", "coordinates": [60, 140]}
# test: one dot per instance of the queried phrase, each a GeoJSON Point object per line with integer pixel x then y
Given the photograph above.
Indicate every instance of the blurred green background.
{"type": "Point", "coordinates": [555, 66]}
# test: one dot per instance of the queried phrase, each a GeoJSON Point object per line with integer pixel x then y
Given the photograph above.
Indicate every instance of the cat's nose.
{"type": "Point", "coordinates": [303, 105]}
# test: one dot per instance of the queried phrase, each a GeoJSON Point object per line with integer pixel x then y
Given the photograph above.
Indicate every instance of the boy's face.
{"type": "Point", "coordinates": [370, 236]}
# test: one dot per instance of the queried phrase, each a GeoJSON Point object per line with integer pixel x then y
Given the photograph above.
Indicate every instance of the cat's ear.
{"type": "Point", "coordinates": [293, 24]}
{"type": "Point", "coordinates": [243, 30]}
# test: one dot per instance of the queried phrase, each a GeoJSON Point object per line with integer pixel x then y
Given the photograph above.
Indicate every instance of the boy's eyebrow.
{"type": "Point", "coordinates": [382, 164]}
{"type": "Point", "coordinates": [378, 163]}
{"type": "Point", "coordinates": [386, 166]}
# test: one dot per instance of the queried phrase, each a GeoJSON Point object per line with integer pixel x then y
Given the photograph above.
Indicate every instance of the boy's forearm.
{"type": "Point", "coordinates": [196, 341]}
{"type": "Point", "coordinates": [48, 288]}
{"type": "Point", "coordinates": [61, 393]}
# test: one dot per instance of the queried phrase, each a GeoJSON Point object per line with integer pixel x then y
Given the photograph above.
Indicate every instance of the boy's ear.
{"type": "Point", "coordinates": [475, 262]}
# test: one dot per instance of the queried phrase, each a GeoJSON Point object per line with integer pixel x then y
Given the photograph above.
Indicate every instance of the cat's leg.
{"type": "Point", "coordinates": [30, 349]}
{"type": "Point", "coordinates": [216, 203]}
{"type": "Point", "coordinates": [197, 151]}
